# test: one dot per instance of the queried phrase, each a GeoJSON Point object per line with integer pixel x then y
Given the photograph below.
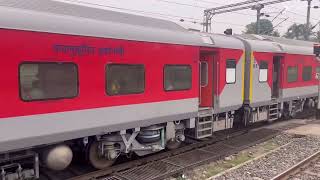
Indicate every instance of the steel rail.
{"type": "Point", "coordinates": [296, 167]}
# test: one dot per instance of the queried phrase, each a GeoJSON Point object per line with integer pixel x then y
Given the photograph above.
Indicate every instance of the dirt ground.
{"type": "Point", "coordinates": [309, 129]}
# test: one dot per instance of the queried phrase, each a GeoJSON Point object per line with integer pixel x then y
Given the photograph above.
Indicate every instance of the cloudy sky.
{"type": "Point", "coordinates": [191, 11]}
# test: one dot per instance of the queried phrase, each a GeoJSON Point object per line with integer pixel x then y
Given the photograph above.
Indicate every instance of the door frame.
{"type": "Point", "coordinates": [207, 56]}
{"type": "Point", "coordinates": [276, 67]}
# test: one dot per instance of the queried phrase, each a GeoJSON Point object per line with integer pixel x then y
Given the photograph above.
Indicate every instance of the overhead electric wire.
{"type": "Point", "coordinates": [224, 9]}
{"type": "Point", "coordinates": [191, 19]}
{"type": "Point", "coordinates": [295, 13]}
{"type": "Point", "coordinates": [235, 5]}
{"type": "Point", "coordinates": [130, 10]}
{"type": "Point", "coordinates": [274, 27]}
{"type": "Point", "coordinates": [162, 15]}
{"type": "Point", "coordinates": [278, 14]}
{"type": "Point", "coordinates": [224, 5]}
{"type": "Point", "coordinates": [200, 7]}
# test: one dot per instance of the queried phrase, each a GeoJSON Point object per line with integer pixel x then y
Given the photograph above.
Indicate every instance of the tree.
{"type": "Point", "coordinates": [318, 36]}
{"type": "Point", "coordinates": [266, 28]}
{"type": "Point", "coordinates": [298, 31]}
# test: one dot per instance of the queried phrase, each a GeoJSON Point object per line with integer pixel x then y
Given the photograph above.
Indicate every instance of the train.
{"type": "Point", "coordinates": [102, 84]}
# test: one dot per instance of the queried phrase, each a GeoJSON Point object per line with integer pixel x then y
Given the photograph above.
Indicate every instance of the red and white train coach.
{"type": "Point", "coordinates": [105, 81]}
{"type": "Point", "coordinates": [281, 78]}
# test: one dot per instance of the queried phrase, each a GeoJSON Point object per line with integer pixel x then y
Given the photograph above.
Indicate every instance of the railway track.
{"type": "Point", "coordinates": [168, 163]}
{"type": "Point", "coordinates": [308, 168]}
{"type": "Point", "coordinates": [167, 166]}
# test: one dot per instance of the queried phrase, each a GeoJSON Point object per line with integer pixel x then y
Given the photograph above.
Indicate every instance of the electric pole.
{"type": "Point", "coordinates": [258, 8]}
{"type": "Point", "coordinates": [307, 33]}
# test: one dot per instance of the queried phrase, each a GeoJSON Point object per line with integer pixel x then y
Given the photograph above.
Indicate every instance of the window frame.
{"type": "Point", "coordinates": [317, 71]}
{"type": "Point", "coordinates": [303, 68]}
{"type": "Point", "coordinates": [235, 73]}
{"type": "Point", "coordinates": [124, 94]}
{"type": "Point", "coordinates": [51, 62]}
{"type": "Point", "coordinates": [164, 77]}
{"type": "Point", "coordinates": [207, 74]}
{"type": "Point", "coordinates": [297, 67]}
{"type": "Point", "coordinates": [266, 69]}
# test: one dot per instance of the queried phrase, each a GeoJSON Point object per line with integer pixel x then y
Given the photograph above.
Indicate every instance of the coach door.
{"type": "Point", "coordinates": [276, 76]}
{"type": "Point", "coordinates": [206, 79]}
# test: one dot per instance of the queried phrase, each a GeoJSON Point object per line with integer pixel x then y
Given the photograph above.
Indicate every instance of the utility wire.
{"type": "Point", "coordinates": [278, 14]}
{"type": "Point", "coordinates": [200, 7]}
{"type": "Point", "coordinates": [295, 13]}
{"type": "Point", "coordinates": [130, 10]}
{"type": "Point", "coordinates": [167, 16]}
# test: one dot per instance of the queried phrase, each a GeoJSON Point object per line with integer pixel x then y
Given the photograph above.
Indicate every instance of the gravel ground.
{"type": "Point", "coordinates": [206, 171]}
{"type": "Point", "coordinates": [276, 162]}
{"type": "Point", "coordinates": [310, 172]}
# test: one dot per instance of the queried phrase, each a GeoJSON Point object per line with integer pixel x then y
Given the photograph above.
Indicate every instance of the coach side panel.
{"type": "Point", "coordinates": [261, 78]}
{"type": "Point", "coordinates": [299, 77]}
{"type": "Point", "coordinates": [229, 77]}
{"type": "Point", "coordinates": [91, 110]}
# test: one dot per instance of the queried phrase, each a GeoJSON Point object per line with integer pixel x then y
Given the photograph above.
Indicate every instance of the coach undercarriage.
{"type": "Point", "coordinates": [102, 151]}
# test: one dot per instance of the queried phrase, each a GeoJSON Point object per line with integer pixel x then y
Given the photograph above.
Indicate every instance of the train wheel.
{"type": "Point", "coordinates": [95, 159]}
{"type": "Point", "coordinates": [171, 145]}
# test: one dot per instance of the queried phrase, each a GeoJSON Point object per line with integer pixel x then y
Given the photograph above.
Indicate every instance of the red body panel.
{"type": "Point", "coordinates": [300, 61]}
{"type": "Point", "coordinates": [222, 57]}
{"type": "Point", "coordinates": [24, 46]}
{"type": "Point", "coordinates": [216, 59]}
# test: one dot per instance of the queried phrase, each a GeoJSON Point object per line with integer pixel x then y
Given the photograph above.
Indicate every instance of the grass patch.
{"type": "Point", "coordinates": [270, 145]}
{"type": "Point", "coordinates": [227, 164]}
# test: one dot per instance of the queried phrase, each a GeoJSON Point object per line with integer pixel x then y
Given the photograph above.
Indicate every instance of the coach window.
{"type": "Point", "coordinates": [292, 74]}
{"type": "Point", "coordinates": [317, 71]}
{"type": "Point", "coordinates": [43, 81]}
{"type": "Point", "coordinates": [263, 71]}
{"type": "Point", "coordinates": [177, 77]}
{"type": "Point", "coordinates": [123, 79]}
{"type": "Point", "coordinates": [307, 73]}
{"type": "Point", "coordinates": [231, 71]}
{"type": "Point", "coordinates": [204, 74]}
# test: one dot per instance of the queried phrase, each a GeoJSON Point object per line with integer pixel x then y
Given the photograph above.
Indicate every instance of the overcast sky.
{"type": "Point", "coordinates": [192, 11]}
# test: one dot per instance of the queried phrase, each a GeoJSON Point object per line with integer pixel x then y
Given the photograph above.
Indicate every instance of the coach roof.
{"type": "Point", "coordinates": [263, 43]}
{"type": "Point", "coordinates": [64, 18]}
{"type": "Point", "coordinates": [219, 40]}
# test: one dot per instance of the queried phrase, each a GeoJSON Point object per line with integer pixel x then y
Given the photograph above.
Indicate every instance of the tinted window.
{"type": "Point", "coordinates": [307, 73]}
{"type": "Point", "coordinates": [263, 71]}
{"type": "Point", "coordinates": [318, 69]}
{"type": "Point", "coordinates": [125, 79]}
{"type": "Point", "coordinates": [204, 74]}
{"type": "Point", "coordinates": [231, 71]}
{"type": "Point", "coordinates": [177, 77]}
{"type": "Point", "coordinates": [292, 74]}
{"type": "Point", "coordinates": [40, 81]}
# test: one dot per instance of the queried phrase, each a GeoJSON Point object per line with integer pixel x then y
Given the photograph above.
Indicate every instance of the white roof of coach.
{"type": "Point", "coordinates": [64, 18]}
{"type": "Point", "coordinates": [293, 46]}
{"type": "Point", "coordinates": [263, 43]}
{"type": "Point", "coordinates": [220, 40]}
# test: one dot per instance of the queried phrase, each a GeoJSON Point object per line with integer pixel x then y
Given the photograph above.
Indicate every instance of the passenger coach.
{"type": "Point", "coordinates": [85, 82]}
{"type": "Point", "coordinates": [104, 82]}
